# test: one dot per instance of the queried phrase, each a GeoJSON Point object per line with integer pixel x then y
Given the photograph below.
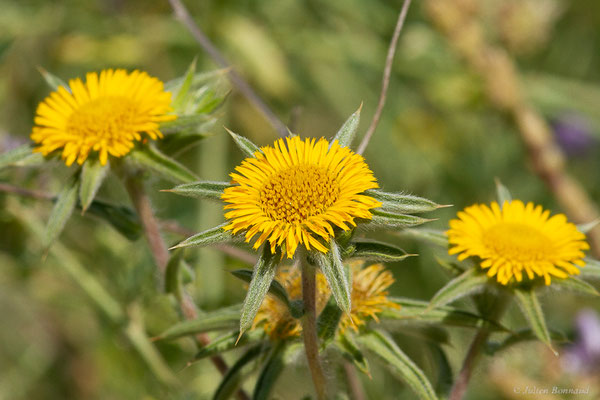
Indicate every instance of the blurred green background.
{"type": "Point", "coordinates": [314, 62]}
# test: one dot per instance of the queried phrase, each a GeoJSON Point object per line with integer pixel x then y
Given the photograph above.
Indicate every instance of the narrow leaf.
{"type": "Point", "coordinates": [470, 281]}
{"type": "Point", "coordinates": [530, 306]}
{"type": "Point", "coordinates": [187, 125]}
{"type": "Point", "coordinates": [264, 272]}
{"type": "Point", "coordinates": [352, 353]}
{"type": "Point", "coordinates": [185, 86]}
{"type": "Point", "coordinates": [418, 311]}
{"type": "Point", "coordinates": [92, 176]}
{"type": "Point", "coordinates": [163, 165]}
{"type": "Point", "coordinates": [52, 80]}
{"type": "Point", "coordinates": [276, 289]}
{"type": "Point", "coordinates": [348, 131]}
{"type": "Point", "coordinates": [523, 336]}
{"type": "Point", "coordinates": [228, 342]}
{"type": "Point", "coordinates": [575, 285]}
{"type": "Point", "coordinates": [208, 237]}
{"type": "Point", "coordinates": [333, 268]}
{"type": "Point", "coordinates": [502, 193]}
{"type": "Point", "coordinates": [591, 269]}
{"type": "Point", "coordinates": [389, 220]}
{"type": "Point", "coordinates": [272, 369]}
{"type": "Point", "coordinates": [328, 322]}
{"type": "Point", "coordinates": [63, 208]}
{"type": "Point", "coordinates": [399, 363]}
{"type": "Point", "coordinates": [234, 376]}
{"type": "Point", "coordinates": [123, 219]}
{"type": "Point", "coordinates": [19, 157]}
{"type": "Point", "coordinates": [245, 144]}
{"type": "Point", "coordinates": [452, 268]}
{"type": "Point", "coordinates": [403, 203]}
{"type": "Point", "coordinates": [172, 274]}
{"type": "Point", "coordinates": [433, 236]}
{"type": "Point", "coordinates": [201, 190]}
{"type": "Point", "coordinates": [224, 318]}
{"type": "Point", "coordinates": [377, 251]}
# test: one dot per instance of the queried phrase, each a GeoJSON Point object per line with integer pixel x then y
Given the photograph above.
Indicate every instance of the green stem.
{"type": "Point", "coordinates": [462, 381]}
{"type": "Point", "coordinates": [309, 328]}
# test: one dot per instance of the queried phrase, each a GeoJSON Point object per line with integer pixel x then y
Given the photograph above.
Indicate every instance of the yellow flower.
{"type": "Point", "coordinates": [274, 317]}
{"type": "Point", "coordinates": [517, 238]}
{"type": "Point", "coordinates": [369, 295]}
{"type": "Point", "coordinates": [298, 188]}
{"type": "Point", "coordinates": [106, 114]}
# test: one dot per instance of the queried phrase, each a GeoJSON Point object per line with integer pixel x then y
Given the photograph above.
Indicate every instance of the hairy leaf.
{"type": "Point", "coordinates": [234, 377]}
{"type": "Point", "coordinates": [276, 289]}
{"type": "Point", "coordinates": [530, 306]}
{"type": "Point", "coordinates": [224, 318]}
{"type": "Point", "coordinates": [399, 363]}
{"type": "Point", "coordinates": [377, 251]}
{"type": "Point", "coordinates": [262, 277]}
{"type": "Point", "coordinates": [19, 157]}
{"type": "Point", "coordinates": [333, 268]}
{"type": "Point", "coordinates": [92, 176]}
{"type": "Point", "coordinates": [352, 353]}
{"type": "Point", "coordinates": [228, 342]}
{"type": "Point", "coordinates": [470, 281]}
{"type": "Point", "coordinates": [348, 130]}
{"type": "Point", "coordinates": [208, 237]}
{"type": "Point", "coordinates": [62, 210]}
{"type": "Point", "coordinates": [168, 168]}
{"type": "Point", "coordinates": [393, 221]}
{"type": "Point", "coordinates": [402, 203]}
{"type": "Point", "coordinates": [245, 144]}
{"type": "Point", "coordinates": [575, 285]}
{"type": "Point", "coordinates": [201, 190]}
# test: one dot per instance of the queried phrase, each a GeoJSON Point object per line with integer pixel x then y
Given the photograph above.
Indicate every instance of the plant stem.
{"type": "Point", "coordinates": [309, 328]}
{"type": "Point", "coordinates": [462, 381]}
{"type": "Point", "coordinates": [160, 253]}
{"type": "Point", "coordinates": [356, 390]}
{"type": "Point", "coordinates": [386, 77]}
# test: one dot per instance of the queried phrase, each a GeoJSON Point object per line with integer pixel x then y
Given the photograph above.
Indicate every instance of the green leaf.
{"type": "Point", "coordinates": [234, 376]}
{"type": "Point", "coordinates": [172, 274]}
{"type": "Point", "coordinates": [352, 353]}
{"type": "Point", "coordinates": [452, 268]}
{"type": "Point", "coordinates": [419, 311]}
{"type": "Point", "coordinates": [333, 268]}
{"type": "Point", "coordinates": [184, 88]}
{"type": "Point", "coordinates": [62, 210]}
{"type": "Point", "coordinates": [123, 219]}
{"type": "Point", "coordinates": [399, 363]}
{"type": "Point", "coordinates": [432, 236]}
{"type": "Point", "coordinates": [245, 144]}
{"type": "Point", "coordinates": [228, 342]}
{"type": "Point", "coordinates": [52, 80]}
{"type": "Point", "coordinates": [393, 221]}
{"type": "Point", "coordinates": [523, 335]}
{"type": "Point", "coordinates": [272, 369]}
{"type": "Point", "coordinates": [402, 203]}
{"type": "Point", "coordinates": [151, 158]}
{"type": "Point", "coordinates": [208, 237]}
{"type": "Point", "coordinates": [575, 285]}
{"type": "Point", "coordinates": [224, 318]}
{"type": "Point", "coordinates": [377, 251]}
{"type": "Point", "coordinates": [591, 269]}
{"type": "Point", "coordinates": [348, 131]}
{"type": "Point", "coordinates": [328, 322]}
{"type": "Point", "coordinates": [92, 176]}
{"type": "Point", "coordinates": [262, 277]}
{"type": "Point", "coordinates": [20, 157]}
{"type": "Point", "coordinates": [276, 289]}
{"type": "Point", "coordinates": [471, 281]}
{"type": "Point", "coordinates": [502, 193]}
{"type": "Point", "coordinates": [187, 125]}
{"type": "Point", "coordinates": [530, 306]}
{"type": "Point", "coordinates": [201, 190]}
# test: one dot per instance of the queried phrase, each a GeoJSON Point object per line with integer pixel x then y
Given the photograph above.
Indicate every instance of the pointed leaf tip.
{"type": "Point", "coordinates": [244, 144]}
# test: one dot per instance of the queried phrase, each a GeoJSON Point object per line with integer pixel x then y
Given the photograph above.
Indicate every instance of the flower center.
{"type": "Point", "coordinates": [107, 117]}
{"type": "Point", "coordinates": [299, 192]}
{"type": "Point", "coordinates": [519, 242]}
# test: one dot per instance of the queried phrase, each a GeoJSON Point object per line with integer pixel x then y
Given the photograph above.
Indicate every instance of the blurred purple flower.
{"type": "Point", "coordinates": [584, 354]}
{"type": "Point", "coordinates": [573, 134]}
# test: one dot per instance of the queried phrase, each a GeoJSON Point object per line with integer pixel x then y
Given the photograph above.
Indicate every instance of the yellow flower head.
{"type": "Point", "coordinates": [105, 114]}
{"type": "Point", "coordinates": [274, 317]}
{"type": "Point", "coordinates": [369, 295]}
{"type": "Point", "coordinates": [517, 238]}
{"type": "Point", "coordinates": [296, 189]}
